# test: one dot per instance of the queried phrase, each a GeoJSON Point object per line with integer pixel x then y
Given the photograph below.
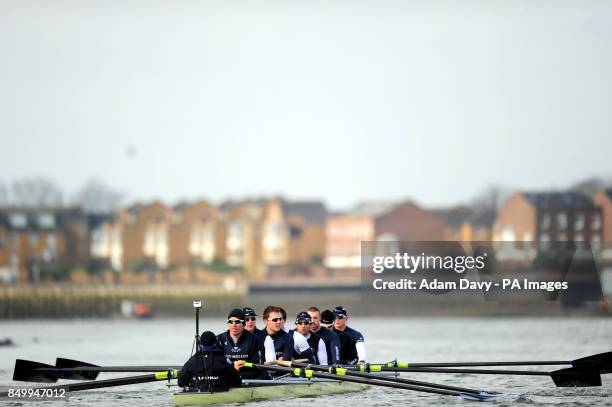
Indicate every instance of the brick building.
{"type": "Point", "coordinates": [41, 243]}
{"type": "Point", "coordinates": [386, 221]}
{"type": "Point", "coordinates": [552, 216]}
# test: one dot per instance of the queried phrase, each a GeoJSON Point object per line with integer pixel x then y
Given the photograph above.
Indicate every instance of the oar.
{"type": "Point", "coordinates": [167, 375]}
{"type": "Point", "coordinates": [569, 377]}
{"type": "Point", "coordinates": [342, 371]}
{"type": "Point", "coordinates": [29, 371]}
{"type": "Point", "coordinates": [300, 372]}
{"type": "Point", "coordinates": [603, 361]}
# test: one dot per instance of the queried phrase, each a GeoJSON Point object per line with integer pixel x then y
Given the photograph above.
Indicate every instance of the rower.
{"type": "Point", "coordinates": [250, 321]}
{"type": "Point", "coordinates": [240, 345]}
{"type": "Point", "coordinates": [322, 325]}
{"type": "Point", "coordinates": [278, 344]}
{"type": "Point", "coordinates": [209, 370]}
{"type": "Point", "coordinates": [306, 344]}
{"type": "Point", "coordinates": [352, 344]}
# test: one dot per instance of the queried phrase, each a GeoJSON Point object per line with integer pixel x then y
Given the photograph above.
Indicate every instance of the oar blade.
{"type": "Point", "coordinates": [576, 377]}
{"type": "Point", "coordinates": [482, 396]}
{"type": "Point", "coordinates": [75, 375]}
{"type": "Point", "coordinates": [26, 371]}
{"type": "Point", "coordinates": [602, 361]}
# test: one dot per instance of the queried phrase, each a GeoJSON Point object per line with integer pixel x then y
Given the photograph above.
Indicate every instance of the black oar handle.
{"type": "Point", "coordinates": [105, 369]}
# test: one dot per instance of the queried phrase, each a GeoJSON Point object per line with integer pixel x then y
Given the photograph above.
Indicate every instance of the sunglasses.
{"type": "Point", "coordinates": [235, 321]}
{"type": "Point", "coordinates": [275, 319]}
{"type": "Point", "coordinates": [250, 319]}
{"type": "Point", "coordinates": [302, 323]}
{"type": "Point", "coordinates": [340, 316]}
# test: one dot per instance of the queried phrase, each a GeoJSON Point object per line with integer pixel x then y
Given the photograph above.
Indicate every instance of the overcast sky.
{"type": "Point", "coordinates": [338, 100]}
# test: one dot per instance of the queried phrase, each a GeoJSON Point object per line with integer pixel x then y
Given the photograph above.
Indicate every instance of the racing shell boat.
{"type": "Point", "coordinates": [257, 390]}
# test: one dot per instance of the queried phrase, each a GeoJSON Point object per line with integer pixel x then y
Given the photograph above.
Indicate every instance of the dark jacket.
{"type": "Point", "coordinates": [209, 372]}
{"type": "Point", "coordinates": [246, 348]}
{"type": "Point", "coordinates": [348, 349]}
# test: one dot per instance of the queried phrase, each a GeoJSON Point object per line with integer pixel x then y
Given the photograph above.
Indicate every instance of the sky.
{"type": "Point", "coordinates": [341, 101]}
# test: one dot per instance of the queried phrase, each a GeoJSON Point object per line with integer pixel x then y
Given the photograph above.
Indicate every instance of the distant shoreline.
{"type": "Point", "coordinates": [105, 301]}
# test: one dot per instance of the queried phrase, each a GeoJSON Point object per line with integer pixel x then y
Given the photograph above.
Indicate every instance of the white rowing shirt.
{"type": "Point", "coordinates": [300, 344]}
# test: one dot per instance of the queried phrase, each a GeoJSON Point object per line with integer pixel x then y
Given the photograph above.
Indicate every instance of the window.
{"type": "Point", "coordinates": [579, 221]}
{"type": "Point", "coordinates": [14, 261]}
{"type": "Point", "coordinates": [18, 220]}
{"type": "Point", "coordinates": [33, 239]}
{"type": "Point", "coordinates": [52, 241]}
{"type": "Point", "coordinates": [195, 236]}
{"type": "Point", "coordinates": [208, 234]}
{"type": "Point", "coordinates": [46, 221]}
{"type": "Point", "coordinates": [14, 239]}
{"type": "Point", "coordinates": [562, 237]}
{"type": "Point", "coordinates": [162, 237]}
{"type": "Point", "coordinates": [561, 220]}
{"type": "Point", "coordinates": [545, 221]}
{"type": "Point", "coordinates": [596, 221]}
{"type": "Point", "coordinates": [235, 230]}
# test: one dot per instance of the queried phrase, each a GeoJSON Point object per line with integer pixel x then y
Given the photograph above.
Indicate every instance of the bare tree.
{"type": "Point", "coordinates": [491, 198]}
{"type": "Point", "coordinates": [590, 186]}
{"type": "Point", "coordinates": [33, 192]}
{"type": "Point", "coordinates": [97, 197]}
{"type": "Point", "coordinates": [3, 195]}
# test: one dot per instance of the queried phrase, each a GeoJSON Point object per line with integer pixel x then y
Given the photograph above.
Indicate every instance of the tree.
{"type": "Point", "coordinates": [98, 198]}
{"type": "Point", "coordinates": [491, 198]}
{"type": "Point", "coordinates": [3, 195]}
{"type": "Point", "coordinates": [590, 186]}
{"type": "Point", "coordinates": [32, 192]}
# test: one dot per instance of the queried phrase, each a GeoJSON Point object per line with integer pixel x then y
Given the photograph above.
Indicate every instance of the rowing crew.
{"type": "Point", "coordinates": [320, 337]}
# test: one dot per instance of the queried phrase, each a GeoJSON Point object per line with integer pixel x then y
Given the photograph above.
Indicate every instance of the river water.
{"type": "Point", "coordinates": [160, 342]}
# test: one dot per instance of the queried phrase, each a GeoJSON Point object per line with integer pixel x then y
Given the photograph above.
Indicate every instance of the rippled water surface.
{"type": "Point", "coordinates": [160, 342]}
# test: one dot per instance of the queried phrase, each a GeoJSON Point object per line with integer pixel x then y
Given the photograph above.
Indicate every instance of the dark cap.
{"type": "Point", "coordinates": [208, 342]}
{"type": "Point", "coordinates": [303, 316]}
{"type": "Point", "coordinates": [327, 317]}
{"type": "Point", "coordinates": [340, 310]}
{"type": "Point", "coordinates": [249, 312]}
{"type": "Point", "coordinates": [236, 313]}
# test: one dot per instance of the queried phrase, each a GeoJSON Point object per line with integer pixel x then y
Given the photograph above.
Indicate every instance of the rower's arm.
{"type": "Point", "coordinates": [322, 353]}
{"type": "Point", "coordinates": [232, 376]}
{"type": "Point", "coordinates": [361, 351]}
{"type": "Point", "coordinates": [184, 374]}
{"type": "Point", "coordinates": [269, 351]}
